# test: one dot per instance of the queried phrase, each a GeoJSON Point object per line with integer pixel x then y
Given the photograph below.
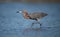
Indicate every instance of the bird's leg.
{"type": "Point", "coordinates": [39, 23]}
{"type": "Point", "coordinates": [32, 24]}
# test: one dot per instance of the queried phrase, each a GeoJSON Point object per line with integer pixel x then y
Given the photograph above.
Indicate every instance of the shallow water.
{"type": "Point", "coordinates": [14, 25]}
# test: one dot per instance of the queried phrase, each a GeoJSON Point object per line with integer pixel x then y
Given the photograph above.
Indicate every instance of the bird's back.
{"type": "Point", "coordinates": [37, 15]}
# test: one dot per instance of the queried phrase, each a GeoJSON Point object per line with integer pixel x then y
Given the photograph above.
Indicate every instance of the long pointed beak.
{"type": "Point", "coordinates": [17, 12]}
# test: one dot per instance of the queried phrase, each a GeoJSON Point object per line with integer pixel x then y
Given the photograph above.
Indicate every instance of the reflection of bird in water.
{"type": "Point", "coordinates": [33, 16]}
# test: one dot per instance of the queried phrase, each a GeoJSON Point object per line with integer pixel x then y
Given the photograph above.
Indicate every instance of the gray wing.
{"type": "Point", "coordinates": [38, 15]}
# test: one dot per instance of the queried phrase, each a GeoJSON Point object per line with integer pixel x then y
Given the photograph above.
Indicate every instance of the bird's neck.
{"type": "Point", "coordinates": [26, 15]}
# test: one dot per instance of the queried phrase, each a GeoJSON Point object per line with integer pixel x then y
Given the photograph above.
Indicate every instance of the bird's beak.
{"type": "Point", "coordinates": [17, 12]}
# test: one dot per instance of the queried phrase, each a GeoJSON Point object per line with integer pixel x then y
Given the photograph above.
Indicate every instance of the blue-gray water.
{"type": "Point", "coordinates": [14, 25]}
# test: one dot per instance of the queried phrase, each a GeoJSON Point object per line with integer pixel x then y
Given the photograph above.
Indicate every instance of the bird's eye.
{"type": "Point", "coordinates": [20, 11]}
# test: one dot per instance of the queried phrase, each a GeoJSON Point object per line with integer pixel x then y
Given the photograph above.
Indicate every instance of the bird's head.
{"type": "Point", "coordinates": [22, 11]}
{"type": "Point", "coordinates": [19, 11]}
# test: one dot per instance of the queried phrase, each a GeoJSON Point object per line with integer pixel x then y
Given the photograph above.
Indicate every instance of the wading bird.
{"type": "Point", "coordinates": [33, 16]}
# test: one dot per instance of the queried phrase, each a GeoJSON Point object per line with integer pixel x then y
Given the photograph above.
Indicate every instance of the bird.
{"type": "Point", "coordinates": [33, 16]}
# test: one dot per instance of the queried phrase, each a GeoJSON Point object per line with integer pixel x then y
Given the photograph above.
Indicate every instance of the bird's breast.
{"type": "Point", "coordinates": [26, 16]}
